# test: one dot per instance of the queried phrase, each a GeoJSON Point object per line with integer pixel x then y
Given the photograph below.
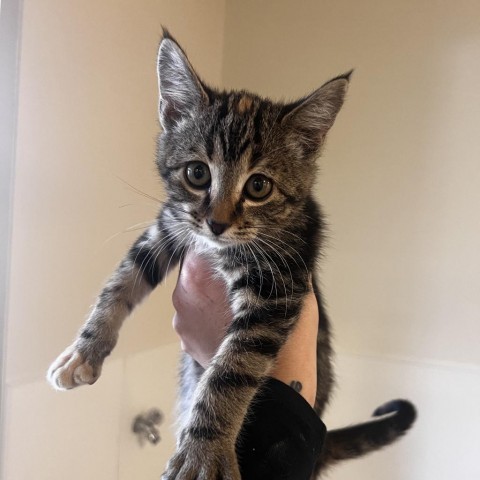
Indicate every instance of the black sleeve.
{"type": "Point", "coordinates": [282, 436]}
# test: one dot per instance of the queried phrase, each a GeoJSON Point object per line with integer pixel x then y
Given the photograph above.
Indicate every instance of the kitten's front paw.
{"type": "Point", "coordinates": [203, 460]}
{"type": "Point", "coordinates": [72, 369]}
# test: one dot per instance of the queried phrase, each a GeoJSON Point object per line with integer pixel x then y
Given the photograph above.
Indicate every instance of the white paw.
{"type": "Point", "coordinates": [71, 369]}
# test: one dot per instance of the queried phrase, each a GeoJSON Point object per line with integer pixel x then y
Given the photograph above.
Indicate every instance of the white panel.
{"type": "Point", "coordinates": [64, 435]}
{"type": "Point", "coordinates": [442, 445]}
{"type": "Point", "coordinates": [150, 381]}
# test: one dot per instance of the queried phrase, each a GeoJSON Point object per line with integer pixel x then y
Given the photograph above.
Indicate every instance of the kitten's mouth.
{"type": "Point", "coordinates": [229, 237]}
{"type": "Point", "coordinates": [219, 241]}
{"type": "Point", "coordinates": [214, 242]}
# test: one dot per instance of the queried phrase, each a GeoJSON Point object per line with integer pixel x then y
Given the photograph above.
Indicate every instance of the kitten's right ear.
{"type": "Point", "coordinates": [181, 92]}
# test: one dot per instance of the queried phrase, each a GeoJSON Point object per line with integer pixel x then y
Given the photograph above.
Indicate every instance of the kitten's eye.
{"type": "Point", "coordinates": [258, 187]}
{"type": "Point", "coordinates": [198, 174]}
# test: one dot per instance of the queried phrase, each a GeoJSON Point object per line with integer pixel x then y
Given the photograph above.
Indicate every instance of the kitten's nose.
{"type": "Point", "coordinates": [217, 228]}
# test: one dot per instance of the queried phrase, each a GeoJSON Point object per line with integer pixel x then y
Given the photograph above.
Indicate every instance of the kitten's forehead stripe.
{"type": "Point", "coordinates": [244, 104]}
{"type": "Point", "coordinates": [237, 120]}
{"type": "Point", "coordinates": [223, 110]}
{"type": "Point", "coordinates": [243, 147]}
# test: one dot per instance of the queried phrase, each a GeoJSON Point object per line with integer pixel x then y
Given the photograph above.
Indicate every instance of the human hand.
{"type": "Point", "coordinates": [202, 310]}
{"type": "Point", "coordinates": [203, 314]}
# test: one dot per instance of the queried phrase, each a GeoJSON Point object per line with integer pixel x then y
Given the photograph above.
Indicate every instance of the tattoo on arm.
{"type": "Point", "coordinates": [296, 385]}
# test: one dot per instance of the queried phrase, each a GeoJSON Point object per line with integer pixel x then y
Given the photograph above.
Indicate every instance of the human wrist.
{"type": "Point", "coordinates": [296, 364]}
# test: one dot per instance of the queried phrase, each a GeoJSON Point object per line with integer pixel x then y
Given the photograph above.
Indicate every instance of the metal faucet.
{"type": "Point", "coordinates": [145, 425]}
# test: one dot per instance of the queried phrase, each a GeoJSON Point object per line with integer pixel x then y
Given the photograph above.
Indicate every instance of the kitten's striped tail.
{"type": "Point", "coordinates": [395, 418]}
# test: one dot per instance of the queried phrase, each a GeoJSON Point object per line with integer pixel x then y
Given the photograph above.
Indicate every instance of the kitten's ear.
{"type": "Point", "coordinates": [312, 116]}
{"type": "Point", "coordinates": [181, 91]}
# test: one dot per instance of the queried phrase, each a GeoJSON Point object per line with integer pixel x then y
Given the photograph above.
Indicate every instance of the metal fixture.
{"type": "Point", "coordinates": [145, 426]}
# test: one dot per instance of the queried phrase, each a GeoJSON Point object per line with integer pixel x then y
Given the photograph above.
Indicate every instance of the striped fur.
{"type": "Point", "coordinates": [264, 248]}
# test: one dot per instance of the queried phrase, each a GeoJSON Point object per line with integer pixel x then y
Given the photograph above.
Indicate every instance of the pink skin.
{"type": "Point", "coordinates": [203, 314]}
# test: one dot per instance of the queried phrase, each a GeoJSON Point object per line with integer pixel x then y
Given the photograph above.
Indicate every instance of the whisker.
{"type": "Point", "coordinates": [274, 282]}
{"type": "Point", "coordinates": [259, 271]}
{"type": "Point", "coordinates": [171, 257]}
{"type": "Point", "coordinates": [280, 274]}
{"type": "Point", "coordinates": [283, 232]}
{"type": "Point", "coordinates": [282, 258]}
{"type": "Point", "coordinates": [137, 226]}
{"type": "Point", "coordinates": [140, 192]}
{"type": "Point", "coordinates": [289, 247]}
{"type": "Point", "coordinates": [170, 236]}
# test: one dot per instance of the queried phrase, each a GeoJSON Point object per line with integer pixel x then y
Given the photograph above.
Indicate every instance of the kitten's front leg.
{"type": "Point", "coordinates": [140, 271]}
{"type": "Point", "coordinates": [206, 448]}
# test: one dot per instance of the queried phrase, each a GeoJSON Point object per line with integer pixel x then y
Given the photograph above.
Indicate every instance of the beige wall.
{"type": "Point", "coordinates": [400, 177]}
{"type": "Point", "coordinates": [400, 183]}
{"type": "Point", "coordinates": [87, 118]}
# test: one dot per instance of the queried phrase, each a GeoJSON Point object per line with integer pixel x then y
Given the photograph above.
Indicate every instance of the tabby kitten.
{"type": "Point", "coordinates": [238, 171]}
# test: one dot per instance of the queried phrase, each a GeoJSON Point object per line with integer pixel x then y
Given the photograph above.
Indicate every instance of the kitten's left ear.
{"type": "Point", "coordinates": [181, 91]}
{"type": "Point", "coordinates": [312, 116]}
